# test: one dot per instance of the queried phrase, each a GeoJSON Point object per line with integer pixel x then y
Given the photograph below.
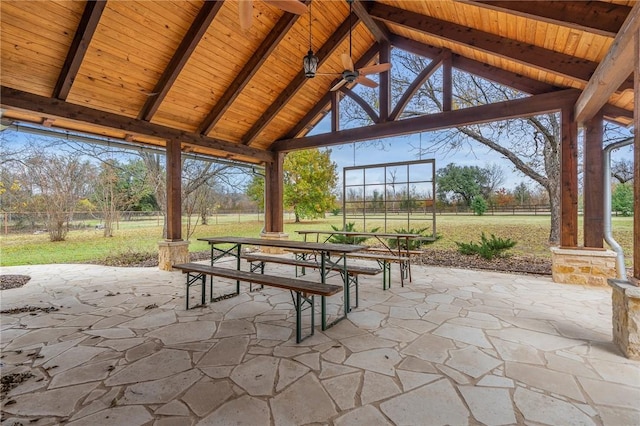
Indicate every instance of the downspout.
{"type": "Point", "coordinates": [608, 235]}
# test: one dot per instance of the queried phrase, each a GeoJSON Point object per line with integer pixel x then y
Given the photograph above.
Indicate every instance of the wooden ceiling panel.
{"type": "Point", "coordinates": [132, 45]}
{"type": "Point", "coordinates": [35, 36]}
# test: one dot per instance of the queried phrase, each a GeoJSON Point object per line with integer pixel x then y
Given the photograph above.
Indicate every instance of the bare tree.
{"type": "Point", "coordinates": [622, 170]}
{"type": "Point", "coordinates": [60, 182]}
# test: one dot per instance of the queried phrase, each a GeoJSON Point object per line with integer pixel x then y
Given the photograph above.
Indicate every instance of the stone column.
{"type": "Point", "coordinates": [625, 303]}
{"type": "Point", "coordinates": [172, 253]}
{"type": "Point", "coordinates": [583, 266]}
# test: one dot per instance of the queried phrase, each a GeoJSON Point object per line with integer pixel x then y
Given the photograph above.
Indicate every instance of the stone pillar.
{"type": "Point", "coordinates": [625, 303]}
{"type": "Point", "coordinates": [583, 266]}
{"type": "Point", "coordinates": [171, 253]}
{"type": "Point", "coordinates": [273, 236]}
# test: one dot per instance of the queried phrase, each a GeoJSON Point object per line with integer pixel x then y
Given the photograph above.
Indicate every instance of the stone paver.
{"type": "Point", "coordinates": [452, 347]}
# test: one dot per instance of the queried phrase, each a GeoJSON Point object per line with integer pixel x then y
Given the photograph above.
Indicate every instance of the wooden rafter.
{"type": "Point", "coordinates": [87, 27]}
{"type": "Point", "coordinates": [250, 69]}
{"type": "Point", "coordinates": [537, 104]}
{"type": "Point", "coordinates": [55, 108]}
{"type": "Point", "coordinates": [593, 16]}
{"type": "Point", "coordinates": [379, 30]}
{"type": "Point", "coordinates": [612, 71]}
{"type": "Point", "coordinates": [180, 57]}
{"type": "Point", "coordinates": [363, 104]}
{"type": "Point", "coordinates": [281, 101]}
{"type": "Point", "coordinates": [384, 92]}
{"type": "Point", "coordinates": [415, 85]}
{"type": "Point", "coordinates": [523, 53]}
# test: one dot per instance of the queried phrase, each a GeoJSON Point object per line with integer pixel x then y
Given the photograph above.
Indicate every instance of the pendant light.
{"type": "Point", "coordinates": [310, 61]}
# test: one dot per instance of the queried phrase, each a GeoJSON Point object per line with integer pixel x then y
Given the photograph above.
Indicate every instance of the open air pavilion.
{"type": "Point", "coordinates": [202, 77]}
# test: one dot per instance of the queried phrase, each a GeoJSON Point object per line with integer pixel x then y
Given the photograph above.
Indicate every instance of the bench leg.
{"type": "Point", "coordinates": [253, 268]}
{"type": "Point", "coordinates": [194, 279]}
{"type": "Point", "coordinates": [298, 302]}
{"type": "Point", "coordinates": [386, 273]}
{"type": "Point", "coordinates": [405, 271]}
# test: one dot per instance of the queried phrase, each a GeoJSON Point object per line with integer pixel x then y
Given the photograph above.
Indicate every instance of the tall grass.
{"type": "Point", "coordinates": [530, 232]}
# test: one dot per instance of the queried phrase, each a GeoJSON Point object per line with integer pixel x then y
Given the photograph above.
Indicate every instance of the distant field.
{"type": "Point", "coordinates": [531, 233]}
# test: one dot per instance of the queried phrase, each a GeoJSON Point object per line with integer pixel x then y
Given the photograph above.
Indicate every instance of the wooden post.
{"type": "Point", "coordinates": [273, 195]}
{"type": "Point", "coordinates": [593, 184]}
{"type": "Point", "coordinates": [636, 160]}
{"type": "Point", "coordinates": [569, 180]}
{"type": "Point", "coordinates": [385, 82]}
{"type": "Point", "coordinates": [174, 188]}
{"type": "Point", "coordinates": [447, 82]}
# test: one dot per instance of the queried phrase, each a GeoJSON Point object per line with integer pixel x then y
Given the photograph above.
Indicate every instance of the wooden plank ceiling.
{"type": "Point", "coordinates": [148, 71]}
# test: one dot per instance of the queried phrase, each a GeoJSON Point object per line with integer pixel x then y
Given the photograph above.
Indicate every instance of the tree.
{"type": "Point", "coordinates": [309, 179]}
{"type": "Point", "coordinates": [622, 170]}
{"type": "Point", "coordinates": [255, 189]}
{"type": "Point", "coordinates": [622, 199]}
{"type": "Point", "coordinates": [60, 182]}
{"type": "Point", "coordinates": [479, 205]}
{"type": "Point", "coordinates": [464, 182]}
{"type": "Point", "coordinates": [522, 193]}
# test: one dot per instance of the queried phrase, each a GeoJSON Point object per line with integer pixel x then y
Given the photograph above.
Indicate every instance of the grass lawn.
{"type": "Point", "coordinates": [530, 232]}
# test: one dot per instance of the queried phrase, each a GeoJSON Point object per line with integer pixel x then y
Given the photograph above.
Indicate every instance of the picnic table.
{"type": "Point", "coordinates": [332, 257]}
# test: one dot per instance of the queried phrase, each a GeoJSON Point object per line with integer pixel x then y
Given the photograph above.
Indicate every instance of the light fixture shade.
{"type": "Point", "coordinates": [310, 64]}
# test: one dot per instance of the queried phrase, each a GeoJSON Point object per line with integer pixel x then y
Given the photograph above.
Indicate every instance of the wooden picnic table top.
{"type": "Point", "coordinates": [361, 234]}
{"type": "Point", "coordinates": [290, 244]}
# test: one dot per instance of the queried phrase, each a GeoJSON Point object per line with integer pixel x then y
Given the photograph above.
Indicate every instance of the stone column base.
{"type": "Point", "coordinates": [625, 304]}
{"type": "Point", "coordinates": [583, 266]}
{"type": "Point", "coordinates": [273, 236]}
{"type": "Point", "coordinates": [171, 253]}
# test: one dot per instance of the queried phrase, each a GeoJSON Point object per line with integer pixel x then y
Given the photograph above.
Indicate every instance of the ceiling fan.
{"type": "Point", "coordinates": [246, 9]}
{"type": "Point", "coordinates": [350, 74]}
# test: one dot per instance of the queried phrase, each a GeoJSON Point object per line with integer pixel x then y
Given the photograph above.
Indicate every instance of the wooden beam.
{"type": "Point", "coordinates": [527, 54]}
{"type": "Point", "coordinates": [384, 91]}
{"type": "Point", "coordinates": [447, 82]}
{"type": "Point", "coordinates": [614, 69]}
{"type": "Point", "coordinates": [593, 223]}
{"type": "Point", "coordinates": [55, 108]}
{"type": "Point", "coordinates": [569, 180]}
{"type": "Point", "coordinates": [363, 104]}
{"type": "Point", "coordinates": [592, 16]}
{"type": "Point", "coordinates": [335, 111]}
{"type": "Point", "coordinates": [87, 27]}
{"type": "Point", "coordinates": [298, 81]}
{"type": "Point", "coordinates": [252, 66]}
{"type": "Point", "coordinates": [180, 57]}
{"type": "Point", "coordinates": [415, 85]}
{"type": "Point", "coordinates": [274, 195]}
{"type": "Point", "coordinates": [538, 104]}
{"type": "Point", "coordinates": [489, 72]}
{"type": "Point", "coordinates": [379, 31]}
{"type": "Point", "coordinates": [174, 191]}
{"type": "Point", "coordinates": [636, 161]}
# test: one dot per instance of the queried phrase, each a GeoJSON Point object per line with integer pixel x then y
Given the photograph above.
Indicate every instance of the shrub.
{"type": "Point", "coordinates": [488, 247]}
{"type": "Point", "coordinates": [413, 244]}
{"type": "Point", "coordinates": [622, 199]}
{"type": "Point", "coordinates": [347, 239]}
{"type": "Point", "coordinates": [478, 205]}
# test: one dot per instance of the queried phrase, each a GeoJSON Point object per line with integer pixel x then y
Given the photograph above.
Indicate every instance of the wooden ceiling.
{"type": "Point", "coordinates": [149, 71]}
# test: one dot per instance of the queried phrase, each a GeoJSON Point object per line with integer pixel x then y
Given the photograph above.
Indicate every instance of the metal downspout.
{"type": "Point", "coordinates": [608, 235]}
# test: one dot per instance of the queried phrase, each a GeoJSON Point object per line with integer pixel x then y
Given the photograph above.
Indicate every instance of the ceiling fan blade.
{"type": "Point", "coordinates": [245, 10]}
{"type": "Point", "coordinates": [347, 63]}
{"type": "Point", "coordinates": [339, 85]}
{"type": "Point", "coordinates": [291, 6]}
{"type": "Point", "coordinates": [366, 82]}
{"type": "Point", "coordinates": [374, 69]}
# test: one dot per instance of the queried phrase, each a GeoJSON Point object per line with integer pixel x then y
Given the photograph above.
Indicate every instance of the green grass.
{"type": "Point", "coordinates": [530, 232]}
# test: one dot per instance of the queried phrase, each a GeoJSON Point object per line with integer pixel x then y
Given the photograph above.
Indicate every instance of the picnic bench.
{"type": "Point", "coordinates": [305, 291]}
{"type": "Point", "coordinates": [258, 261]}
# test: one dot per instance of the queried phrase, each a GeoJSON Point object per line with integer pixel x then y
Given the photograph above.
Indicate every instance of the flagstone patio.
{"type": "Point", "coordinates": [453, 347]}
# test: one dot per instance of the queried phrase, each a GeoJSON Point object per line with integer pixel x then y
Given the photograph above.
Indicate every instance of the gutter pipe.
{"type": "Point", "coordinates": [608, 235]}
